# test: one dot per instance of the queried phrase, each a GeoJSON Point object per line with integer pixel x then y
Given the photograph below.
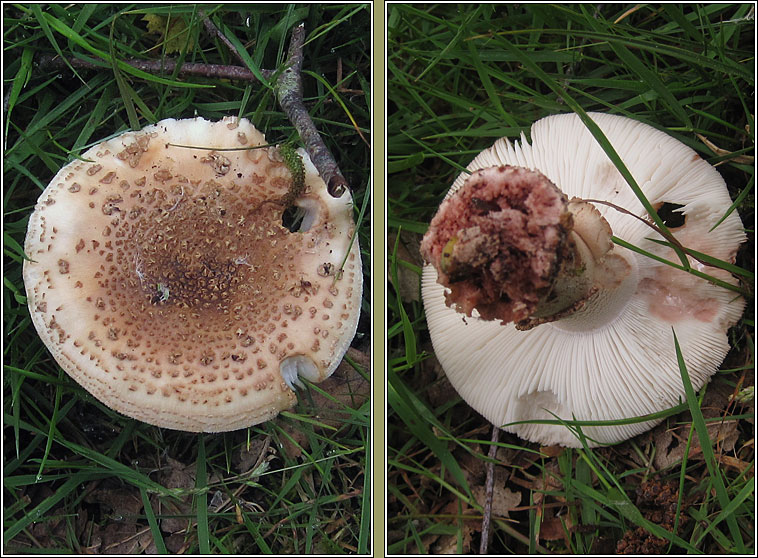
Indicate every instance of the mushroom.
{"type": "Point", "coordinates": [163, 279]}
{"type": "Point", "coordinates": [535, 314]}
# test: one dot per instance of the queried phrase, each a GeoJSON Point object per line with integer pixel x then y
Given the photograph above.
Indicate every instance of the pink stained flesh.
{"type": "Point", "coordinates": [497, 242]}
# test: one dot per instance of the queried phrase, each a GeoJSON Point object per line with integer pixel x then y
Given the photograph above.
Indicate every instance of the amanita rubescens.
{"type": "Point", "coordinates": [163, 279]}
{"type": "Point", "coordinates": [534, 313]}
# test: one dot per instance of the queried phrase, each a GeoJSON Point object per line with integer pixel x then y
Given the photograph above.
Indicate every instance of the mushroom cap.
{"type": "Point", "coordinates": [163, 280]}
{"type": "Point", "coordinates": [615, 357]}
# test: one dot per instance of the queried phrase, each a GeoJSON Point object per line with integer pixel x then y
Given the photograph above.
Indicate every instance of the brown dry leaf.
{"type": "Point", "coordinates": [552, 451]}
{"type": "Point", "coordinates": [81, 523]}
{"type": "Point", "coordinates": [627, 451]}
{"type": "Point", "coordinates": [95, 541]}
{"type": "Point", "coordinates": [176, 475]}
{"type": "Point", "coordinates": [428, 541]}
{"type": "Point", "coordinates": [175, 543]}
{"type": "Point", "coordinates": [119, 538]}
{"type": "Point", "coordinates": [669, 449]}
{"type": "Point", "coordinates": [122, 501]}
{"type": "Point", "coordinates": [552, 528]}
{"type": "Point", "coordinates": [550, 480]}
{"type": "Point", "coordinates": [746, 159]}
{"type": "Point", "coordinates": [47, 533]}
{"type": "Point", "coordinates": [723, 435]}
{"type": "Point", "coordinates": [249, 455]}
{"type": "Point", "coordinates": [294, 439]}
{"type": "Point", "coordinates": [439, 390]}
{"type": "Point", "coordinates": [503, 498]}
{"type": "Point", "coordinates": [408, 281]}
{"type": "Point", "coordinates": [147, 543]}
{"type": "Point", "coordinates": [347, 388]}
{"type": "Point", "coordinates": [735, 463]}
{"type": "Point", "coordinates": [448, 544]}
{"type": "Point", "coordinates": [670, 442]}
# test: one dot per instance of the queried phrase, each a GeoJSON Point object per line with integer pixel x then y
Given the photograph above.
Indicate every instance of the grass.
{"type": "Point", "coordinates": [460, 77]}
{"type": "Point", "coordinates": [81, 478]}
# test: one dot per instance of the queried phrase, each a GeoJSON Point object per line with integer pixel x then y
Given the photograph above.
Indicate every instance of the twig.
{"type": "Point", "coordinates": [488, 492]}
{"type": "Point", "coordinates": [289, 93]}
{"type": "Point", "coordinates": [164, 66]}
{"type": "Point", "coordinates": [213, 30]}
{"type": "Point", "coordinates": [289, 87]}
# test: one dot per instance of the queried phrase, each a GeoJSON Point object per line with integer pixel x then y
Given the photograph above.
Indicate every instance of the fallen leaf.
{"type": "Point", "coordinates": [250, 454]}
{"type": "Point", "coordinates": [552, 451]}
{"type": "Point", "coordinates": [439, 390]}
{"type": "Point", "coordinates": [147, 543]}
{"type": "Point", "coordinates": [119, 538]}
{"type": "Point", "coordinates": [347, 389]}
{"type": "Point", "coordinates": [549, 480]}
{"type": "Point", "coordinates": [120, 502]}
{"type": "Point", "coordinates": [503, 498]}
{"type": "Point", "coordinates": [735, 463]}
{"type": "Point", "coordinates": [746, 159]}
{"type": "Point", "coordinates": [176, 475]}
{"type": "Point", "coordinates": [723, 435]}
{"type": "Point", "coordinates": [552, 528]}
{"type": "Point", "coordinates": [175, 543]}
{"type": "Point", "coordinates": [172, 30]}
{"type": "Point", "coordinates": [448, 544]}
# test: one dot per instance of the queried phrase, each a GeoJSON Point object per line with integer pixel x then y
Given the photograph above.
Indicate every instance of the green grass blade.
{"type": "Point", "coordinates": [19, 82]}
{"type": "Point", "coordinates": [738, 201]}
{"type": "Point", "coordinates": [364, 535]}
{"type": "Point", "coordinates": [201, 499]}
{"type": "Point", "coordinates": [617, 500]}
{"type": "Point", "coordinates": [155, 530]}
{"type": "Point", "coordinates": [599, 136]}
{"type": "Point", "coordinates": [716, 479]}
{"type": "Point", "coordinates": [418, 427]}
{"type": "Point", "coordinates": [63, 491]}
{"type": "Point", "coordinates": [70, 34]}
{"type": "Point", "coordinates": [690, 270]}
{"type": "Point", "coordinates": [748, 491]}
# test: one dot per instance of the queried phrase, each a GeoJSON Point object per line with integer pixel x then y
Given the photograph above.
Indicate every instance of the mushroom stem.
{"type": "Point", "coordinates": [509, 245]}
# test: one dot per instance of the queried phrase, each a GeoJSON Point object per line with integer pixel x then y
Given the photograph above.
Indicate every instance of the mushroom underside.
{"type": "Point", "coordinates": [612, 355]}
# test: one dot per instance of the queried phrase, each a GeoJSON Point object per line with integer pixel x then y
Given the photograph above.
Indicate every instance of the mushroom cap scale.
{"type": "Point", "coordinates": [163, 280]}
{"type": "Point", "coordinates": [613, 358]}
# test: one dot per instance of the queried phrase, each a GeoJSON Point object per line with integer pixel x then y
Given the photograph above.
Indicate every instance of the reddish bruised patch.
{"type": "Point", "coordinates": [672, 303]}
{"type": "Point", "coordinates": [496, 242]}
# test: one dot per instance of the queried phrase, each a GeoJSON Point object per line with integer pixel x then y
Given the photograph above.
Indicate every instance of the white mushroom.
{"type": "Point", "coordinates": [594, 337]}
{"type": "Point", "coordinates": [163, 280]}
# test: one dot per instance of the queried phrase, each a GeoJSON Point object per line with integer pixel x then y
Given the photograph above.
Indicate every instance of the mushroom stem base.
{"type": "Point", "coordinates": [510, 245]}
{"type": "Point", "coordinates": [587, 266]}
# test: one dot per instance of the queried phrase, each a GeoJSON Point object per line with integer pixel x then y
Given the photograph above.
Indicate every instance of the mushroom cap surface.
{"type": "Point", "coordinates": [163, 280]}
{"type": "Point", "coordinates": [615, 357]}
